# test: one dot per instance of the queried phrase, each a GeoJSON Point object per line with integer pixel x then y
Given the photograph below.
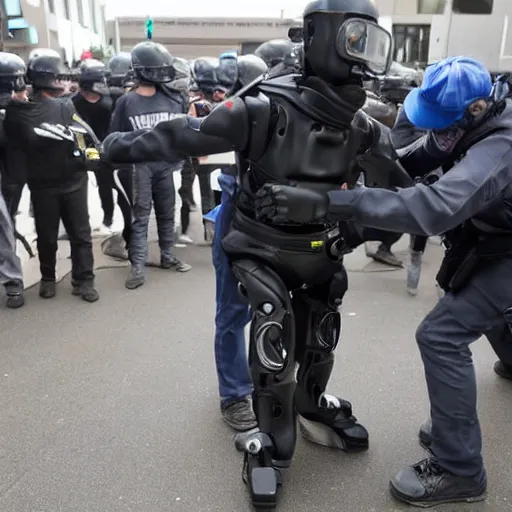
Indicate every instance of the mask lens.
{"type": "Point", "coordinates": [366, 42]}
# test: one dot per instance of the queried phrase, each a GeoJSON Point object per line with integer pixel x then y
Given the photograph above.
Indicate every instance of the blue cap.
{"type": "Point", "coordinates": [448, 89]}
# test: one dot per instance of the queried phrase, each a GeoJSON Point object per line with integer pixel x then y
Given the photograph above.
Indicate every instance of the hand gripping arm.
{"type": "Point", "coordinates": [224, 130]}
{"type": "Point", "coordinates": [380, 162]}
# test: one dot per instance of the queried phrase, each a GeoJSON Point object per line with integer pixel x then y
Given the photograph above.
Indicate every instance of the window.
{"type": "Point", "coordinates": [12, 7]}
{"type": "Point", "coordinates": [431, 6]}
{"type": "Point", "coordinates": [473, 6]}
{"type": "Point", "coordinates": [66, 10]}
{"type": "Point", "coordinates": [411, 44]}
{"type": "Point", "coordinates": [94, 21]}
{"type": "Point", "coordinates": [80, 11]}
{"type": "Point", "coordinates": [51, 6]}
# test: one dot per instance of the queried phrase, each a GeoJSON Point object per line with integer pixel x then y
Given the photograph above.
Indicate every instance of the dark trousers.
{"type": "Point", "coordinates": [122, 181]}
{"type": "Point", "coordinates": [70, 205]}
{"type": "Point", "coordinates": [12, 196]}
{"type": "Point", "coordinates": [105, 183]}
{"type": "Point", "coordinates": [483, 307]}
{"type": "Point", "coordinates": [188, 175]}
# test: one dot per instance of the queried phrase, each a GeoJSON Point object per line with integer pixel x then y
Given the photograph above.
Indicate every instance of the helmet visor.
{"type": "Point", "coordinates": [367, 43]}
{"type": "Point", "coordinates": [158, 74]}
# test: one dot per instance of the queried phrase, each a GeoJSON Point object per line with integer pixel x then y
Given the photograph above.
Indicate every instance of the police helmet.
{"type": "Point", "coordinates": [119, 70]}
{"type": "Point", "coordinates": [12, 74]}
{"type": "Point", "coordinates": [342, 38]}
{"type": "Point", "coordinates": [250, 67]}
{"type": "Point", "coordinates": [280, 55]}
{"type": "Point", "coordinates": [152, 63]}
{"type": "Point", "coordinates": [47, 72]}
{"type": "Point", "coordinates": [183, 75]}
{"type": "Point", "coordinates": [205, 71]}
{"type": "Point", "coordinates": [42, 52]}
{"type": "Point", "coordinates": [93, 76]}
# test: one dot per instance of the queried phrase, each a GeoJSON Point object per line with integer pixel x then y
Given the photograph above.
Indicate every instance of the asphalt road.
{"type": "Point", "coordinates": [113, 407]}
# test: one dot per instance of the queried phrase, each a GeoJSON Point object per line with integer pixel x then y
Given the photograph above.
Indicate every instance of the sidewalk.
{"type": "Point", "coordinates": [25, 225]}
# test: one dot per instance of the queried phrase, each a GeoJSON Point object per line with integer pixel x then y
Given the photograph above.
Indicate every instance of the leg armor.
{"type": "Point", "coordinates": [272, 365]}
{"type": "Point", "coordinates": [323, 418]}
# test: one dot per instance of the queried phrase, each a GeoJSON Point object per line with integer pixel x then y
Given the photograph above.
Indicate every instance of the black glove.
{"type": "Point", "coordinates": [281, 204]}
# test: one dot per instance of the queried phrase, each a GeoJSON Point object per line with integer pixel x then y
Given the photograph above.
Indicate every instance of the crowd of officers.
{"type": "Point", "coordinates": [54, 119]}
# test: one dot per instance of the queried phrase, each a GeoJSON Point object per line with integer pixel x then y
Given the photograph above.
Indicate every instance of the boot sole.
{"type": "Point", "coordinates": [323, 435]}
{"type": "Point", "coordinates": [428, 504]}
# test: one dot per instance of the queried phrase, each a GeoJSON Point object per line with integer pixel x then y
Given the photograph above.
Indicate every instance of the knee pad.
{"type": "Point", "coordinates": [328, 331]}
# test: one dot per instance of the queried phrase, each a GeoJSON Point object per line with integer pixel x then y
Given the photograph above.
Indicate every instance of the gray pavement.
{"type": "Point", "coordinates": [112, 407]}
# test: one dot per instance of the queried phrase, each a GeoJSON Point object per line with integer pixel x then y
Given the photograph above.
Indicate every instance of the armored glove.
{"type": "Point", "coordinates": [283, 204]}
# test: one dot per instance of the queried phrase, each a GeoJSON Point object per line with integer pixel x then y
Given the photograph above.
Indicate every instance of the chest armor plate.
{"type": "Point", "coordinates": [305, 151]}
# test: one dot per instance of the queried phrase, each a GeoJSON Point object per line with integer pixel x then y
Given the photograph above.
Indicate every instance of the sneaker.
{"type": "Point", "coordinates": [384, 255]}
{"type": "Point", "coordinates": [503, 370]}
{"type": "Point", "coordinates": [414, 273]}
{"type": "Point", "coordinates": [427, 484]}
{"type": "Point", "coordinates": [15, 300]}
{"type": "Point", "coordinates": [47, 289]}
{"type": "Point", "coordinates": [115, 247]}
{"type": "Point", "coordinates": [185, 239]}
{"type": "Point", "coordinates": [239, 415]}
{"type": "Point", "coordinates": [104, 230]}
{"type": "Point", "coordinates": [86, 291]}
{"type": "Point", "coordinates": [171, 262]}
{"type": "Point", "coordinates": [135, 278]}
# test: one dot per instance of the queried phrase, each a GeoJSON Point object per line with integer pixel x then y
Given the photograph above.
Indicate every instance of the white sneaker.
{"type": "Point", "coordinates": [185, 239]}
{"type": "Point", "coordinates": [104, 230]}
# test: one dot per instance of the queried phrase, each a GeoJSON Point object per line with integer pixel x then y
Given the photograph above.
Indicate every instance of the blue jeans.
{"type": "Point", "coordinates": [232, 312]}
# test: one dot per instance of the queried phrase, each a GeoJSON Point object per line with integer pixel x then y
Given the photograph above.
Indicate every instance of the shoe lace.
{"type": "Point", "coordinates": [428, 469]}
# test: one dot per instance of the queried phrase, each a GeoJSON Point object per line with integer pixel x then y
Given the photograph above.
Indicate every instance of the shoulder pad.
{"type": "Point", "coordinates": [230, 121]}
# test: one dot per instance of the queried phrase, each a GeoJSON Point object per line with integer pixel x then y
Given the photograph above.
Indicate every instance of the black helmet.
{"type": "Point", "coordinates": [250, 67]}
{"type": "Point", "coordinates": [12, 74]}
{"type": "Point", "coordinates": [280, 55]}
{"type": "Point", "coordinates": [119, 70]}
{"type": "Point", "coordinates": [183, 75]}
{"type": "Point", "coordinates": [42, 52]}
{"type": "Point", "coordinates": [342, 38]}
{"type": "Point", "coordinates": [152, 63]}
{"type": "Point", "coordinates": [47, 73]}
{"type": "Point", "coordinates": [93, 76]}
{"type": "Point", "coordinates": [205, 71]}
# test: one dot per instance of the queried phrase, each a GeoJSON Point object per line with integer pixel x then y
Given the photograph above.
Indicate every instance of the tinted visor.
{"type": "Point", "coordinates": [158, 75]}
{"type": "Point", "coordinates": [367, 43]}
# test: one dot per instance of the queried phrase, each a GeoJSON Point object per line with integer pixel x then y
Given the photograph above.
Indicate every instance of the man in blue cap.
{"type": "Point", "coordinates": [469, 133]}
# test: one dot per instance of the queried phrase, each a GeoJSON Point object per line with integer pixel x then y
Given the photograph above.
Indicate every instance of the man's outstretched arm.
{"type": "Point", "coordinates": [184, 136]}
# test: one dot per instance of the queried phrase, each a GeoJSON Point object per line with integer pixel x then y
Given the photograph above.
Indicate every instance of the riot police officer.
{"type": "Point", "coordinates": [119, 75]}
{"type": "Point", "coordinates": [94, 105]}
{"type": "Point", "coordinates": [469, 133]}
{"type": "Point", "coordinates": [12, 73]}
{"type": "Point", "coordinates": [305, 129]}
{"type": "Point", "coordinates": [56, 174]}
{"type": "Point", "coordinates": [280, 55]}
{"type": "Point", "coordinates": [149, 104]}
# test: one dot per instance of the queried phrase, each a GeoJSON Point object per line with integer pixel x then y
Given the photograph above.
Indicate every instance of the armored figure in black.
{"type": "Point", "coordinates": [305, 130]}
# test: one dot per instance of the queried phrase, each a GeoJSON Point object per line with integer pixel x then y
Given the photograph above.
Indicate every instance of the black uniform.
{"type": "Point", "coordinates": [56, 176]}
{"type": "Point", "coordinates": [305, 130]}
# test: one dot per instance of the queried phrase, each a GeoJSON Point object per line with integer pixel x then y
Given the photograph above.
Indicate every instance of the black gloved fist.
{"type": "Point", "coordinates": [281, 204]}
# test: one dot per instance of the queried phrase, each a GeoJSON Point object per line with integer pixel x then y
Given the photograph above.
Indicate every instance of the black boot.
{"type": "Point", "coordinates": [86, 291]}
{"type": "Point", "coordinates": [47, 289]}
{"type": "Point", "coordinates": [426, 484]}
{"type": "Point", "coordinates": [503, 370]}
{"type": "Point", "coordinates": [425, 435]}
{"type": "Point", "coordinates": [14, 294]}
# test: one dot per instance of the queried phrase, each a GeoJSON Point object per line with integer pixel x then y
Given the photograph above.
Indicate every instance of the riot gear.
{"type": "Point", "coordinates": [227, 71]}
{"type": "Point", "coordinates": [205, 71]}
{"type": "Point", "coordinates": [152, 63]}
{"type": "Point", "coordinates": [250, 67]}
{"type": "Point", "coordinates": [307, 130]}
{"type": "Point", "coordinates": [280, 55]}
{"type": "Point", "coordinates": [93, 77]}
{"type": "Point", "coordinates": [42, 52]}
{"type": "Point", "coordinates": [183, 75]}
{"type": "Point", "coordinates": [119, 70]}
{"type": "Point", "coordinates": [12, 74]}
{"type": "Point", "coordinates": [47, 73]}
{"type": "Point", "coordinates": [342, 39]}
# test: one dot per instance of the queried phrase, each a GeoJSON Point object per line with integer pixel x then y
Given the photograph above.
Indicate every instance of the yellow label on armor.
{"type": "Point", "coordinates": [80, 140]}
{"type": "Point", "coordinates": [316, 244]}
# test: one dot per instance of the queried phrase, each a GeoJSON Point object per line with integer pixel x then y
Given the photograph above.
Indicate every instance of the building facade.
{"type": "Point", "coordinates": [68, 26]}
{"type": "Point", "coordinates": [199, 37]}
{"type": "Point", "coordinates": [424, 31]}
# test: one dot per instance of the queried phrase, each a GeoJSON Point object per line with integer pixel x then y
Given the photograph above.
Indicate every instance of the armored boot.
{"type": "Point", "coordinates": [326, 419]}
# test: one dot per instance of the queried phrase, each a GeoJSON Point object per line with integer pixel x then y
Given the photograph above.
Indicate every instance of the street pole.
{"type": "Point", "coordinates": [449, 8]}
